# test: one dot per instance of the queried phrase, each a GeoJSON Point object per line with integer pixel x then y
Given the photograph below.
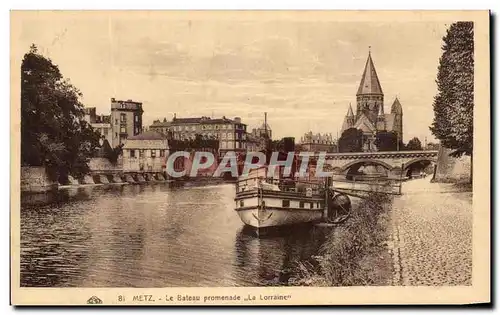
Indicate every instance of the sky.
{"type": "Point", "coordinates": [303, 72]}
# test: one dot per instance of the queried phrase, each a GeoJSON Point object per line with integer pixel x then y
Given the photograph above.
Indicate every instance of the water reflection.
{"type": "Point", "coordinates": [151, 236]}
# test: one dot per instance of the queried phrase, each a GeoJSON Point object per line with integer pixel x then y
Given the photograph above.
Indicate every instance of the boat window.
{"type": "Point", "coordinates": [242, 204]}
{"type": "Point", "coordinates": [286, 203]}
{"type": "Point", "coordinates": [301, 204]}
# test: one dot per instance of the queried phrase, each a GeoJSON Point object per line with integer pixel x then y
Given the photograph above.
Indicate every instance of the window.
{"type": "Point", "coordinates": [162, 153]}
{"type": "Point", "coordinates": [105, 130]}
{"type": "Point", "coordinates": [153, 153]}
{"type": "Point", "coordinates": [223, 136]}
{"type": "Point", "coordinates": [116, 134]}
{"type": "Point", "coordinates": [242, 204]}
{"type": "Point", "coordinates": [301, 204]}
{"type": "Point", "coordinates": [229, 135]}
{"type": "Point", "coordinates": [123, 117]}
{"type": "Point", "coordinates": [141, 153]}
{"type": "Point", "coordinates": [136, 118]}
{"type": "Point", "coordinates": [312, 205]}
{"type": "Point", "coordinates": [132, 153]}
{"type": "Point", "coordinates": [229, 126]}
{"type": "Point", "coordinates": [286, 203]}
{"type": "Point", "coordinates": [123, 130]}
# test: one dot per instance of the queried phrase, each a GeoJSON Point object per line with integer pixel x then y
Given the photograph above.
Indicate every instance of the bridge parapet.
{"type": "Point", "coordinates": [381, 155]}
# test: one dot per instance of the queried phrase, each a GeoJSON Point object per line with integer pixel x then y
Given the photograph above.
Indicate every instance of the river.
{"type": "Point", "coordinates": [151, 236]}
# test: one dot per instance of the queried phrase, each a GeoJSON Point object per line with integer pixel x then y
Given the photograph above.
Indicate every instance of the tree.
{"type": "Point", "coordinates": [414, 145]}
{"type": "Point", "coordinates": [53, 131]}
{"type": "Point", "coordinates": [454, 103]}
{"type": "Point", "coordinates": [351, 140]}
{"type": "Point", "coordinates": [387, 141]}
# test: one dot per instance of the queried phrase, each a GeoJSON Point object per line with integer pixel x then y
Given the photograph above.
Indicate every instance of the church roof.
{"type": "Point", "coordinates": [396, 107]}
{"type": "Point", "coordinates": [365, 124]}
{"type": "Point", "coordinates": [369, 81]}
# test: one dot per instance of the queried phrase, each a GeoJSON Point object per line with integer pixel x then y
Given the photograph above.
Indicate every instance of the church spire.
{"type": "Point", "coordinates": [369, 81]}
{"type": "Point", "coordinates": [349, 111]}
{"type": "Point", "coordinates": [396, 107]}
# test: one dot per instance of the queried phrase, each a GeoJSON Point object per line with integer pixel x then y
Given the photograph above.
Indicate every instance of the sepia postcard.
{"type": "Point", "coordinates": [250, 157]}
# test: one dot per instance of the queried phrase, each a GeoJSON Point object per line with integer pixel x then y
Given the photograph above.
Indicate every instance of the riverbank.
{"type": "Point", "coordinates": [354, 253]}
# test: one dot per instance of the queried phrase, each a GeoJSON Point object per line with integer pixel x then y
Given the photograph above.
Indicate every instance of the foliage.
{"type": "Point", "coordinates": [200, 142]}
{"type": "Point", "coordinates": [414, 145]}
{"type": "Point", "coordinates": [432, 146]}
{"type": "Point", "coordinates": [454, 102]}
{"type": "Point", "coordinates": [387, 141]}
{"type": "Point", "coordinates": [351, 140]}
{"type": "Point", "coordinates": [53, 131]}
{"type": "Point", "coordinates": [343, 257]}
{"type": "Point", "coordinates": [112, 154]}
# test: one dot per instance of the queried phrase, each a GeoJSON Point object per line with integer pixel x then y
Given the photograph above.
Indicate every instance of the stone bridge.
{"type": "Point", "coordinates": [393, 161]}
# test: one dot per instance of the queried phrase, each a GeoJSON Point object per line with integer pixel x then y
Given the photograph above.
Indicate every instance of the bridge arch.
{"type": "Point", "coordinates": [419, 159]}
{"type": "Point", "coordinates": [367, 161]}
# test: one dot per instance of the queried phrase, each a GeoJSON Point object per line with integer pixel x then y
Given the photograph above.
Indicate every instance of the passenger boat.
{"type": "Point", "coordinates": [263, 201]}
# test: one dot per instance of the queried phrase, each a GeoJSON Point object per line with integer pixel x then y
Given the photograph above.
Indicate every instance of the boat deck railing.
{"type": "Point", "coordinates": [284, 184]}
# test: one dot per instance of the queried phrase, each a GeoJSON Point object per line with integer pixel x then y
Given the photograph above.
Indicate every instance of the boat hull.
{"type": "Point", "coordinates": [258, 218]}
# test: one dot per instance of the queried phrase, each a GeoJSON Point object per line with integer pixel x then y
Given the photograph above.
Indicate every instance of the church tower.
{"type": "Point", "coordinates": [369, 97]}
{"type": "Point", "coordinates": [348, 119]}
{"type": "Point", "coordinates": [397, 111]}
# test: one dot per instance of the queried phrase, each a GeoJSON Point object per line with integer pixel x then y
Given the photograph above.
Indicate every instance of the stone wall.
{"type": "Point", "coordinates": [35, 179]}
{"type": "Point", "coordinates": [103, 164]}
{"type": "Point", "coordinates": [450, 169]}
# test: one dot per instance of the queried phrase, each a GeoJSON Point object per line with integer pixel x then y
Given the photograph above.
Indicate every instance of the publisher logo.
{"type": "Point", "coordinates": [94, 300]}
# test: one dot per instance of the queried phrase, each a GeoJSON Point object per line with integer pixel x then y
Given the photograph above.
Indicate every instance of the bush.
{"type": "Point", "coordinates": [340, 259]}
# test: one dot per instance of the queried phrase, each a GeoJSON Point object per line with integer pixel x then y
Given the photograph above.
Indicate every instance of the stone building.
{"type": "Point", "coordinates": [145, 152]}
{"type": "Point", "coordinates": [100, 123]}
{"type": "Point", "coordinates": [370, 116]}
{"type": "Point", "coordinates": [126, 120]}
{"type": "Point", "coordinates": [318, 142]}
{"type": "Point", "coordinates": [231, 133]}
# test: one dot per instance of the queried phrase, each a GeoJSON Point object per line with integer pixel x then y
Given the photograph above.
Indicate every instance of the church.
{"type": "Point", "coordinates": [370, 115]}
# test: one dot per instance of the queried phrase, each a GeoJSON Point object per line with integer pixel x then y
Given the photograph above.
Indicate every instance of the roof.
{"type": "Point", "coordinates": [396, 107]}
{"type": "Point", "coordinates": [148, 135]}
{"type": "Point", "coordinates": [364, 124]}
{"type": "Point", "coordinates": [204, 120]}
{"type": "Point", "coordinates": [369, 81]}
{"type": "Point", "coordinates": [158, 123]}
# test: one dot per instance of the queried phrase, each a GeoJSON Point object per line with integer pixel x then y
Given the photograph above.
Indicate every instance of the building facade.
{"type": "Point", "coordinates": [231, 133]}
{"type": "Point", "coordinates": [318, 142]}
{"type": "Point", "coordinates": [370, 115]}
{"type": "Point", "coordinates": [145, 152]}
{"type": "Point", "coordinates": [100, 123]}
{"type": "Point", "coordinates": [126, 120]}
